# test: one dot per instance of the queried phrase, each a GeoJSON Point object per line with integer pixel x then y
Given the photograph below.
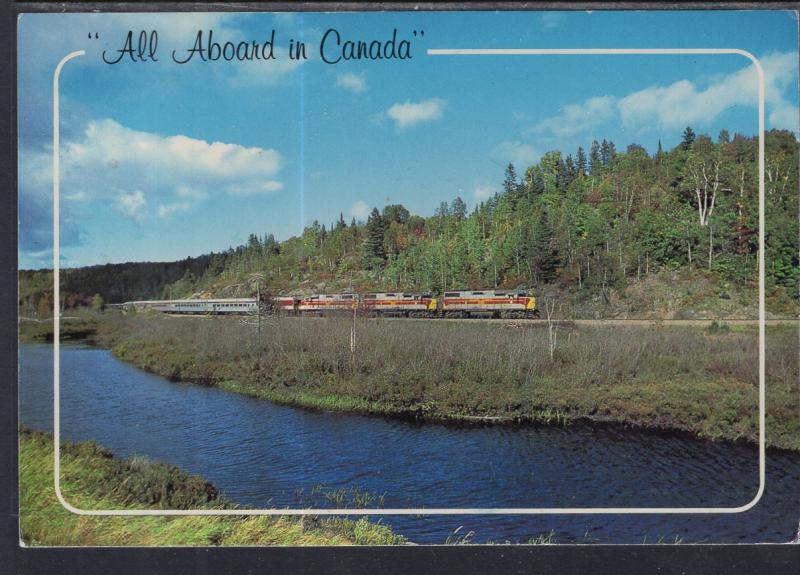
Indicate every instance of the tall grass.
{"type": "Point", "coordinates": [93, 479]}
{"type": "Point", "coordinates": [672, 377]}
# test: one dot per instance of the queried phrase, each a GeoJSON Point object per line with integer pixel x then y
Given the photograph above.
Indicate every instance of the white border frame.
{"type": "Point", "coordinates": [438, 511]}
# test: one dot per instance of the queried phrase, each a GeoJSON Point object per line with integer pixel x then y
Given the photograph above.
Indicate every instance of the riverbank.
{"type": "Point", "coordinates": [699, 380]}
{"type": "Point", "coordinates": [80, 325]}
{"type": "Point", "coordinates": [93, 479]}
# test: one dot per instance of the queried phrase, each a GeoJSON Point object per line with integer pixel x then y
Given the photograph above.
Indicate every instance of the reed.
{"type": "Point", "coordinates": [671, 377]}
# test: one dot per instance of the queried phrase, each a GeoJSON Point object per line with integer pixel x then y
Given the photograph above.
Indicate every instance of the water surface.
{"type": "Point", "coordinates": [261, 454]}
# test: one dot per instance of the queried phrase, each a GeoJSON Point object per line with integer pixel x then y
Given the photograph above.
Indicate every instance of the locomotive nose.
{"type": "Point", "coordinates": [432, 304]}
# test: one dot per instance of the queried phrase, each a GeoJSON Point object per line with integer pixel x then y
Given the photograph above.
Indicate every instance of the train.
{"type": "Point", "coordinates": [195, 306]}
{"type": "Point", "coordinates": [504, 304]}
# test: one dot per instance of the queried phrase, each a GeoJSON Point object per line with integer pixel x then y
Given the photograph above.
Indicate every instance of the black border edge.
{"type": "Point", "coordinates": [9, 512]}
{"type": "Point", "coordinates": [619, 559]}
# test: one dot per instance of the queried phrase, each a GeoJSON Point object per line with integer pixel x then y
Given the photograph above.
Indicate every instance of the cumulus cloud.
{"type": "Point", "coordinates": [110, 162]}
{"type": "Point", "coordinates": [255, 189]}
{"type": "Point", "coordinates": [684, 102]}
{"type": "Point", "coordinates": [518, 153]}
{"type": "Point", "coordinates": [112, 156]}
{"type": "Point", "coordinates": [575, 118]}
{"type": "Point", "coordinates": [167, 210]}
{"type": "Point", "coordinates": [356, 83]}
{"type": "Point", "coordinates": [360, 210]}
{"type": "Point", "coordinates": [411, 113]}
{"type": "Point", "coordinates": [482, 192]}
{"type": "Point", "coordinates": [131, 205]}
{"type": "Point", "coordinates": [785, 117]}
{"type": "Point", "coordinates": [265, 72]}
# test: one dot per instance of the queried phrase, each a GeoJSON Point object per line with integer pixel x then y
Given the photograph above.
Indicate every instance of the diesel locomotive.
{"type": "Point", "coordinates": [505, 304]}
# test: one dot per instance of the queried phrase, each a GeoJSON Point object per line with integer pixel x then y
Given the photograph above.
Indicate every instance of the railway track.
{"type": "Point", "coordinates": [563, 322]}
{"type": "Point", "coordinates": [618, 322]}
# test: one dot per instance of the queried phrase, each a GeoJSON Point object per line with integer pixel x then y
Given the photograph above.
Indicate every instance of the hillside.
{"type": "Point", "coordinates": [607, 233]}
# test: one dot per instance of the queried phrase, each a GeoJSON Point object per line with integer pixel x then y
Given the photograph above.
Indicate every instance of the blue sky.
{"type": "Point", "coordinates": [161, 161]}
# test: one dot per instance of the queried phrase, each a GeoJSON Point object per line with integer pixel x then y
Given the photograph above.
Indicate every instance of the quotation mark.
{"type": "Point", "coordinates": [96, 35]}
{"type": "Point", "coordinates": [421, 32]}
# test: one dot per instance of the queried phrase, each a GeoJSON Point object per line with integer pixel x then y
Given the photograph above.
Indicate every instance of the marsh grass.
{"type": "Point", "coordinates": [93, 479]}
{"type": "Point", "coordinates": [672, 377]}
{"type": "Point", "coordinates": [78, 324]}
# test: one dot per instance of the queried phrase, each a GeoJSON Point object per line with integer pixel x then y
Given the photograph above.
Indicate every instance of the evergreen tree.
{"type": "Point", "coordinates": [271, 247]}
{"type": "Point", "coordinates": [340, 225]}
{"type": "Point", "coordinates": [688, 138]}
{"type": "Point", "coordinates": [511, 186]}
{"type": "Point", "coordinates": [607, 153]}
{"type": "Point", "coordinates": [724, 137]}
{"type": "Point", "coordinates": [571, 168]}
{"type": "Point", "coordinates": [458, 209]}
{"type": "Point", "coordinates": [544, 256]}
{"type": "Point", "coordinates": [374, 251]}
{"type": "Point", "coordinates": [581, 162]}
{"type": "Point", "coordinates": [595, 161]}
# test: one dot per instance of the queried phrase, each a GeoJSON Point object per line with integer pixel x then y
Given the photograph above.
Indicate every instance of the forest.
{"type": "Point", "coordinates": [590, 224]}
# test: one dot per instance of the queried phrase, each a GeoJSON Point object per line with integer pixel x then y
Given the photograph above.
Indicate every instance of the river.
{"type": "Point", "coordinates": [262, 455]}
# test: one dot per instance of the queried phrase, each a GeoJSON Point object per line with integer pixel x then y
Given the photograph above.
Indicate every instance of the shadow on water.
{"type": "Point", "coordinates": [261, 454]}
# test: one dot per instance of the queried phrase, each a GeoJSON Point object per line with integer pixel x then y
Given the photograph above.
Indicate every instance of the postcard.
{"type": "Point", "coordinates": [408, 277]}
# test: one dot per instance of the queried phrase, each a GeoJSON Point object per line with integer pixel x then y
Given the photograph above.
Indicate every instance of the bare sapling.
{"type": "Point", "coordinates": [552, 325]}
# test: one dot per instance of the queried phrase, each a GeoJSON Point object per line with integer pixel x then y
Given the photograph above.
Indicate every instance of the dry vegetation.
{"type": "Point", "coordinates": [700, 380]}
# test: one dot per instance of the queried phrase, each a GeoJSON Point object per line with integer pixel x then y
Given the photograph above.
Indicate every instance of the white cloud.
{"type": "Point", "coordinates": [482, 192]}
{"type": "Point", "coordinates": [131, 205]}
{"type": "Point", "coordinates": [785, 117]}
{"type": "Point", "coordinates": [257, 189]}
{"type": "Point", "coordinates": [551, 20]}
{"type": "Point", "coordinates": [265, 72]}
{"type": "Point", "coordinates": [175, 31]}
{"type": "Point", "coordinates": [411, 113]}
{"type": "Point", "coordinates": [356, 83]}
{"type": "Point", "coordinates": [518, 153]}
{"type": "Point", "coordinates": [575, 118]}
{"type": "Point", "coordinates": [683, 102]}
{"type": "Point", "coordinates": [126, 167]}
{"type": "Point", "coordinates": [77, 196]}
{"type": "Point", "coordinates": [360, 210]}
{"type": "Point", "coordinates": [110, 155]}
{"type": "Point", "coordinates": [167, 210]}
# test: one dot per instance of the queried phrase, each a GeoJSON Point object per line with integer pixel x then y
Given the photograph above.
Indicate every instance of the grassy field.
{"type": "Point", "coordinates": [93, 479]}
{"type": "Point", "coordinates": [695, 379]}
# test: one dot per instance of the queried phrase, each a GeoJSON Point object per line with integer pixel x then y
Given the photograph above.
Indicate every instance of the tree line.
{"type": "Point", "coordinates": [589, 222]}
